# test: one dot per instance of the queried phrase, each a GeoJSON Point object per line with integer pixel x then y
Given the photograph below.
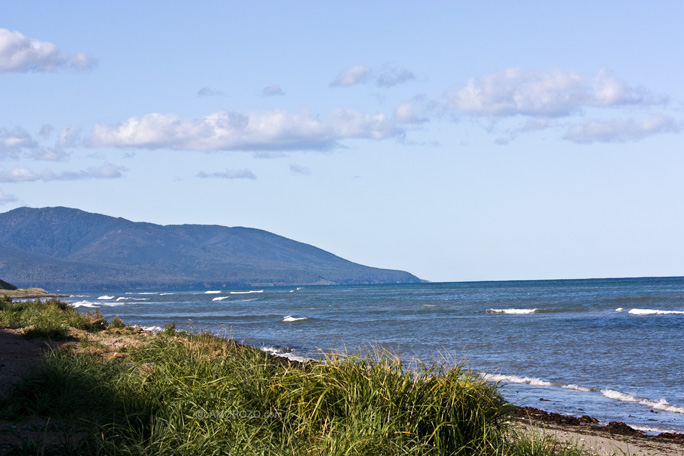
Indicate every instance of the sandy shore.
{"type": "Point", "coordinates": [18, 354]}
{"type": "Point", "coordinates": [615, 438]}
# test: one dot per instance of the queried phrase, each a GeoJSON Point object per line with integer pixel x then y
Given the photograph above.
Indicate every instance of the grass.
{"type": "Point", "coordinates": [180, 393]}
{"type": "Point", "coordinates": [50, 319]}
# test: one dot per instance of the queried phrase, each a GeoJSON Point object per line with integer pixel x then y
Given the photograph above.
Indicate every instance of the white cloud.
{"type": "Point", "coordinates": [12, 142]}
{"type": "Point", "coordinates": [417, 110]}
{"type": "Point", "coordinates": [301, 170]}
{"type": "Point", "coordinates": [107, 171]}
{"type": "Point", "coordinates": [6, 198]}
{"type": "Point", "coordinates": [18, 143]}
{"type": "Point", "coordinates": [19, 53]}
{"type": "Point", "coordinates": [272, 90]}
{"type": "Point", "coordinates": [47, 153]}
{"type": "Point", "coordinates": [386, 76]}
{"type": "Point", "coordinates": [622, 130]}
{"type": "Point", "coordinates": [229, 174]}
{"type": "Point", "coordinates": [356, 74]}
{"type": "Point", "coordinates": [227, 130]}
{"type": "Point", "coordinates": [543, 93]}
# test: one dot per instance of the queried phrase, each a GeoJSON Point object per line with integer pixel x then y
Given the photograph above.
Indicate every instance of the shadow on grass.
{"type": "Point", "coordinates": [73, 404]}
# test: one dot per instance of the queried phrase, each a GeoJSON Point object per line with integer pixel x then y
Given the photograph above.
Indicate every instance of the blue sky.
{"type": "Point", "coordinates": [456, 140]}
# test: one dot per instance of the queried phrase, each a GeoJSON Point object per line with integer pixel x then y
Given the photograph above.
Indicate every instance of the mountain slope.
{"type": "Point", "coordinates": [71, 249]}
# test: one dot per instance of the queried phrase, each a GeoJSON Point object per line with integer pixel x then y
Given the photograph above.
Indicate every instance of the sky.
{"type": "Point", "coordinates": [457, 140]}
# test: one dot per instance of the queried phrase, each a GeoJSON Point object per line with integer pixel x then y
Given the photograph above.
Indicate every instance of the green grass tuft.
{"type": "Point", "coordinates": [179, 393]}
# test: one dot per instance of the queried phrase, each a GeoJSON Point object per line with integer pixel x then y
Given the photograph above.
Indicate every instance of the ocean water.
{"type": "Point", "coordinates": [608, 348]}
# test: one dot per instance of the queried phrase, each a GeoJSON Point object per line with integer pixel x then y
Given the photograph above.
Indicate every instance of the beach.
{"type": "Point", "coordinates": [19, 355]}
{"type": "Point", "coordinates": [604, 348]}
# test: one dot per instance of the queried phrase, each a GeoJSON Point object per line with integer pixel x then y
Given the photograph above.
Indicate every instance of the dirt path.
{"type": "Point", "coordinates": [17, 354]}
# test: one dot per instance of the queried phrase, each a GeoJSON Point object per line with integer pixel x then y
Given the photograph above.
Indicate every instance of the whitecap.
{"type": "Point", "coordinates": [290, 318]}
{"type": "Point", "coordinates": [284, 352]}
{"type": "Point", "coordinates": [85, 304]}
{"type": "Point", "coordinates": [247, 292]}
{"type": "Point", "coordinates": [106, 297]}
{"type": "Point", "coordinates": [577, 388]}
{"type": "Point", "coordinates": [619, 309]}
{"type": "Point", "coordinates": [660, 404]}
{"type": "Point", "coordinates": [212, 292]}
{"type": "Point", "coordinates": [655, 312]}
{"type": "Point", "coordinates": [220, 298]}
{"type": "Point", "coordinates": [512, 311]}
{"type": "Point", "coordinates": [515, 379]}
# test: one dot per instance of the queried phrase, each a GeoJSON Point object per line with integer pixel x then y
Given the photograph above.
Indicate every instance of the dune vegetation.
{"type": "Point", "coordinates": [113, 389]}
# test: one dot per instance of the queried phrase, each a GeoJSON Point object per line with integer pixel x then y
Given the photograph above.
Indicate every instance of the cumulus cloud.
{"type": "Point", "coordinates": [17, 143]}
{"type": "Point", "coordinates": [356, 74]}
{"type": "Point", "coordinates": [416, 110]}
{"type": "Point", "coordinates": [390, 76]}
{"type": "Point", "coordinates": [385, 76]}
{"type": "Point", "coordinates": [106, 171]}
{"type": "Point", "coordinates": [229, 130]}
{"type": "Point", "coordinates": [229, 174]}
{"type": "Point", "coordinates": [19, 53]}
{"type": "Point", "coordinates": [622, 130]}
{"type": "Point", "coordinates": [6, 198]}
{"type": "Point", "coordinates": [272, 90]}
{"type": "Point", "coordinates": [543, 93]}
{"type": "Point", "coordinates": [300, 170]}
{"type": "Point", "coordinates": [12, 142]}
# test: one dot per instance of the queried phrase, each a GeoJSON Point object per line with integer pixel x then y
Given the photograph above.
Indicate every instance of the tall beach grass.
{"type": "Point", "coordinates": [180, 393]}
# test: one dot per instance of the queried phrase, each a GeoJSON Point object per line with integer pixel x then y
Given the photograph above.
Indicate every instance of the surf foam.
{"type": "Point", "coordinates": [655, 312]}
{"type": "Point", "coordinates": [512, 311]}
{"type": "Point", "coordinates": [290, 318]}
{"type": "Point", "coordinates": [660, 404]}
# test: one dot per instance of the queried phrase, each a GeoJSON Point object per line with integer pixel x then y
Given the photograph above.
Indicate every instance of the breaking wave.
{"type": "Point", "coordinates": [655, 312]}
{"type": "Point", "coordinates": [220, 298]}
{"type": "Point", "coordinates": [247, 292]}
{"type": "Point", "coordinates": [512, 311]}
{"type": "Point", "coordinates": [660, 404]}
{"type": "Point", "coordinates": [290, 318]}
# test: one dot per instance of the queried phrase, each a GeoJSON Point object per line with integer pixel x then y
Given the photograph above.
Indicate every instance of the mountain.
{"type": "Point", "coordinates": [64, 248]}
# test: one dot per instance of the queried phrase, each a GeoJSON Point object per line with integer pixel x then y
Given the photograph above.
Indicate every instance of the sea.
{"type": "Point", "coordinates": [612, 349]}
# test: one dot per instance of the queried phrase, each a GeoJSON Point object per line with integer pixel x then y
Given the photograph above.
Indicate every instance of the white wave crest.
{"type": "Point", "coordinates": [212, 292]}
{"type": "Point", "coordinates": [85, 304]}
{"type": "Point", "coordinates": [660, 404]}
{"type": "Point", "coordinates": [655, 312]}
{"type": "Point", "coordinates": [512, 311]}
{"type": "Point", "coordinates": [284, 352]}
{"type": "Point", "coordinates": [165, 294]}
{"type": "Point", "coordinates": [515, 379]}
{"type": "Point", "coordinates": [247, 292]}
{"type": "Point", "coordinates": [619, 309]}
{"type": "Point", "coordinates": [220, 298]}
{"type": "Point", "coordinates": [577, 388]}
{"type": "Point", "coordinates": [104, 297]}
{"type": "Point", "coordinates": [290, 318]}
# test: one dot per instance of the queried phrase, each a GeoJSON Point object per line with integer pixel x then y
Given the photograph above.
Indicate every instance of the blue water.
{"type": "Point", "coordinates": [609, 348]}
